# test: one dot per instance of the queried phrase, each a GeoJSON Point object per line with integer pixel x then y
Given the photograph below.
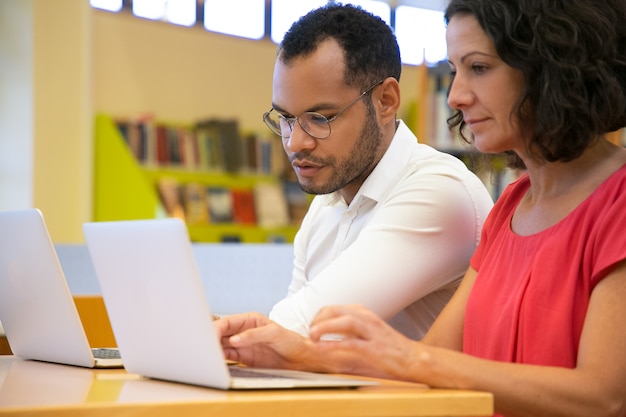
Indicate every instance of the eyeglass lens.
{"type": "Point", "coordinates": [312, 123]}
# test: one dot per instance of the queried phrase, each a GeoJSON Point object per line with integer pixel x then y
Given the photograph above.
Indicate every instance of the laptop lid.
{"type": "Point", "coordinates": [158, 309]}
{"type": "Point", "coordinates": [36, 307]}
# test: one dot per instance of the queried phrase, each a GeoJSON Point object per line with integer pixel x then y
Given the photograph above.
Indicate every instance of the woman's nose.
{"type": "Point", "coordinates": [459, 94]}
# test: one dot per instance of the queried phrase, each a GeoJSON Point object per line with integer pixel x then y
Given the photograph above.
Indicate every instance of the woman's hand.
{"type": "Point", "coordinates": [357, 341]}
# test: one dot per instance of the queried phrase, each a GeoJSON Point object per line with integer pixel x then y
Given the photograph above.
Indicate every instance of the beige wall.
{"type": "Point", "coordinates": [63, 116]}
{"type": "Point", "coordinates": [183, 74]}
{"type": "Point", "coordinates": [16, 103]}
{"type": "Point", "coordinates": [63, 61]}
{"type": "Point", "coordinates": [45, 121]}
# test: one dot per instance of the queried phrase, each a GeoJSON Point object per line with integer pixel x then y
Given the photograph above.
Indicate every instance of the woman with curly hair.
{"type": "Point", "coordinates": [540, 315]}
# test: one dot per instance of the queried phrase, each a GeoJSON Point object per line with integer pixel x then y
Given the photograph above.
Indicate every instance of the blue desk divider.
{"type": "Point", "coordinates": [237, 277]}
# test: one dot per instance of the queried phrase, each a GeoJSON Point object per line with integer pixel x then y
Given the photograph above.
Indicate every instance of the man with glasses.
{"type": "Point", "coordinates": [394, 222]}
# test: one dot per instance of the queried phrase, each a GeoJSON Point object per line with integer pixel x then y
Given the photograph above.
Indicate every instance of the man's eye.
{"type": "Point", "coordinates": [316, 118]}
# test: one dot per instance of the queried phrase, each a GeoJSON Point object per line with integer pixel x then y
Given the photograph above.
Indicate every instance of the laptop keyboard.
{"type": "Point", "coordinates": [240, 372]}
{"type": "Point", "coordinates": [106, 353]}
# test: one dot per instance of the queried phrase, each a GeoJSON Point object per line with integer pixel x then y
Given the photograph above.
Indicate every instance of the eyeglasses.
{"type": "Point", "coordinates": [314, 124]}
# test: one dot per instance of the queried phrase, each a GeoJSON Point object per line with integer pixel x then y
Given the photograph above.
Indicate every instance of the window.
{"type": "Point", "coordinates": [110, 5]}
{"type": "Point", "coordinates": [180, 12]}
{"type": "Point", "coordinates": [421, 35]}
{"type": "Point", "coordinates": [420, 31]}
{"type": "Point", "coordinates": [378, 8]}
{"type": "Point", "coordinates": [227, 17]}
{"type": "Point", "coordinates": [286, 12]}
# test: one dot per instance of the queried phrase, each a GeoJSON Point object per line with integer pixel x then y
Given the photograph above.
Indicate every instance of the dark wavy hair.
{"type": "Point", "coordinates": [572, 54]}
{"type": "Point", "coordinates": [370, 48]}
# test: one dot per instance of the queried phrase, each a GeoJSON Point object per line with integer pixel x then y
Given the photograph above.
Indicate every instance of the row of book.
{"type": "Point", "coordinates": [213, 145]}
{"type": "Point", "coordinates": [266, 204]}
{"type": "Point", "coordinates": [618, 137]}
{"type": "Point", "coordinates": [437, 112]}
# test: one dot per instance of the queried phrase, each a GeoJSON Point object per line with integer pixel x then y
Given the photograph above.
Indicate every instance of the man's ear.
{"type": "Point", "coordinates": [387, 100]}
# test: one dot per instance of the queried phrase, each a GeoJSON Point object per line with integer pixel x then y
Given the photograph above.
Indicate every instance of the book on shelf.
{"type": "Point", "coordinates": [216, 146]}
{"type": "Point", "coordinates": [270, 156]}
{"type": "Point", "coordinates": [209, 149]}
{"type": "Point", "coordinates": [268, 205]}
{"type": "Point", "coordinates": [220, 204]}
{"type": "Point", "coordinates": [244, 211]}
{"type": "Point", "coordinates": [225, 141]}
{"type": "Point", "coordinates": [440, 112]}
{"type": "Point", "coordinates": [297, 201]}
{"type": "Point", "coordinates": [169, 193]}
{"type": "Point", "coordinates": [437, 111]}
{"type": "Point", "coordinates": [249, 154]}
{"type": "Point", "coordinates": [161, 147]}
{"type": "Point", "coordinates": [271, 205]}
{"type": "Point", "coordinates": [131, 132]}
{"type": "Point", "coordinates": [148, 133]}
{"type": "Point", "coordinates": [195, 203]}
{"type": "Point", "coordinates": [137, 135]}
{"type": "Point", "coordinates": [211, 145]}
{"type": "Point", "coordinates": [231, 145]}
{"type": "Point", "coordinates": [217, 205]}
{"type": "Point", "coordinates": [432, 110]}
{"type": "Point", "coordinates": [172, 146]}
{"type": "Point", "coordinates": [188, 149]}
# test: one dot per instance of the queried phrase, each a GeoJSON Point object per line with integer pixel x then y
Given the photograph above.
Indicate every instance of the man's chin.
{"type": "Point", "coordinates": [322, 183]}
{"type": "Point", "coordinates": [312, 188]}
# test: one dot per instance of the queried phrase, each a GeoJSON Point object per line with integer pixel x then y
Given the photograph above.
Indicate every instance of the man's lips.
{"type": "Point", "coordinates": [306, 169]}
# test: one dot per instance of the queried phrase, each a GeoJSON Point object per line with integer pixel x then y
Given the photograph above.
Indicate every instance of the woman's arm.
{"type": "Point", "coordinates": [596, 387]}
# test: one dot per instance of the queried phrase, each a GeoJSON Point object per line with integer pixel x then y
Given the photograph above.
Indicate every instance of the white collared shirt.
{"type": "Point", "coordinates": [400, 248]}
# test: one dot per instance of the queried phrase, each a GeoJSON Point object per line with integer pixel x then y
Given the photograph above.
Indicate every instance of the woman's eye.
{"type": "Point", "coordinates": [479, 69]}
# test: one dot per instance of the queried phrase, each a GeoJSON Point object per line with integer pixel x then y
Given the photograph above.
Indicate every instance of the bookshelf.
{"type": "Point", "coordinates": [618, 137]}
{"type": "Point", "coordinates": [125, 189]}
{"type": "Point", "coordinates": [430, 124]}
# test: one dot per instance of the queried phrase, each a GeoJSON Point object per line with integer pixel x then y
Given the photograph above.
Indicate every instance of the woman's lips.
{"type": "Point", "coordinates": [472, 123]}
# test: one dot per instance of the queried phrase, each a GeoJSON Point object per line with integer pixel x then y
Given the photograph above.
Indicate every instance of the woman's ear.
{"type": "Point", "coordinates": [387, 100]}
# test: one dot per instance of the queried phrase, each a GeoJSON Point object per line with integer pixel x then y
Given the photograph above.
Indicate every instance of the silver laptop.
{"type": "Point", "coordinates": [37, 310]}
{"type": "Point", "coordinates": [159, 312]}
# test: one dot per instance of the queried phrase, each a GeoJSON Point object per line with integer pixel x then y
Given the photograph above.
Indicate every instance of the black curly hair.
{"type": "Point", "coordinates": [370, 48]}
{"type": "Point", "coordinates": [572, 54]}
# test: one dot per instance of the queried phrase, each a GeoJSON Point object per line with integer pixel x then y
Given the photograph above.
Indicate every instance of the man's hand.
{"type": "Point", "coordinates": [344, 339]}
{"type": "Point", "coordinates": [255, 340]}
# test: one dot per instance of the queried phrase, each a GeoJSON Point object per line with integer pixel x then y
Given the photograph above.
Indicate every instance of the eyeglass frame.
{"type": "Point", "coordinates": [291, 121]}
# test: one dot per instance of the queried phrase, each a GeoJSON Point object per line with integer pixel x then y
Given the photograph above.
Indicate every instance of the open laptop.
{"type": "Point", "coordinates": [37, 310]}
{"type": "Point", "coordinates": [159, 312]}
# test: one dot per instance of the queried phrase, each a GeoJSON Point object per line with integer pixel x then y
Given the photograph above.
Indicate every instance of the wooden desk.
{"type": "Point", "coordinates": [41, 389]}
